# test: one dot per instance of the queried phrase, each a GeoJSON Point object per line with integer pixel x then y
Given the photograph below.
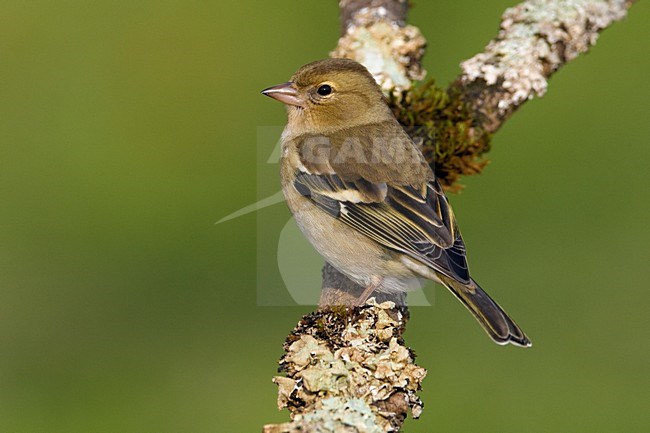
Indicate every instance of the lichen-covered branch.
{"type": "Point", "coordinates": [347, 369]}
{"type": "Point", "coordinates": [375, 34]}
{"type": "Point", "coordinates": [536, 38]}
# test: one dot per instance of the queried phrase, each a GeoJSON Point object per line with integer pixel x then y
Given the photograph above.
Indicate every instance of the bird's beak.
{"type": "Point", "coordinates": [285, 93]}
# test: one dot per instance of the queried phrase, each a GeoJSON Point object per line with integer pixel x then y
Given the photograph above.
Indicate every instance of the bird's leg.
{"type": "Point", "coordinates": [374, 283]}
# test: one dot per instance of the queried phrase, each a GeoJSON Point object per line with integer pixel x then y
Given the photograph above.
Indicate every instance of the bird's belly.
{"type": "Point", "coordinates": [358, 257]}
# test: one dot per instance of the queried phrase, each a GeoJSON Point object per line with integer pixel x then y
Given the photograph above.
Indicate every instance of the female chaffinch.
{"type": "Point", "coordinates": [364, 196]}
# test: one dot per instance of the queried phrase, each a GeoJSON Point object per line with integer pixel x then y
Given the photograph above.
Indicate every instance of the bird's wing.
{"type": "Point", "coordinates": [411, 218]}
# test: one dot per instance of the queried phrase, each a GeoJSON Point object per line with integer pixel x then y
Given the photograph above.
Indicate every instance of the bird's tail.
{"type": "Point", "coordinates": [496, 322]}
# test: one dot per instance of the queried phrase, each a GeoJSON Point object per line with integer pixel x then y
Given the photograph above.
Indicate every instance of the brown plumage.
{"type": "Point", "coordinates": [363, 194]}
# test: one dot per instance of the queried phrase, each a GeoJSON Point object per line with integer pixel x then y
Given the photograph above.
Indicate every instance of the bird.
{"type": "Point", "coordinates": [363, 194]}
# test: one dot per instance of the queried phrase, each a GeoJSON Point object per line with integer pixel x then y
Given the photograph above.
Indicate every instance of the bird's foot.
{"type": "Point", "coordinates": [361, 300]}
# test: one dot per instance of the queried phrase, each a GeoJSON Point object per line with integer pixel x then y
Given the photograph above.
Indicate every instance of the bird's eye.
{"type": "Point", "coordinates": [324, 90]}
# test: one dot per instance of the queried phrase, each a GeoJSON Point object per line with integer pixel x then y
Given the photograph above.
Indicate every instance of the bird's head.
{"type": "Point", "coordinates": [329, 95]}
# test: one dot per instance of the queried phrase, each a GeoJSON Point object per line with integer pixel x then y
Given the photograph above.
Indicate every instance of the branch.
{"type": "Point", "coordinates": [347, 369]}
{"type": "Point", "coordinates": [536, 38]}
{"type": "Point", "coordinates": [375, 34]}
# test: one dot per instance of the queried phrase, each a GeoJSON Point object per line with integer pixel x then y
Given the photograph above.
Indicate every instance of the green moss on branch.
{"type": "Point", "coordinates": [452, 140]}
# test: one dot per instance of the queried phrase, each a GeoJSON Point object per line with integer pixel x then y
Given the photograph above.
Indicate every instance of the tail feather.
{"type": "Point", "coordinates": [496, 322]}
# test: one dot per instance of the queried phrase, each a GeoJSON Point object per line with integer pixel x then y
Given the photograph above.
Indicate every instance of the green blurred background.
{"type": "Point", "coordinates": [128, 128]}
